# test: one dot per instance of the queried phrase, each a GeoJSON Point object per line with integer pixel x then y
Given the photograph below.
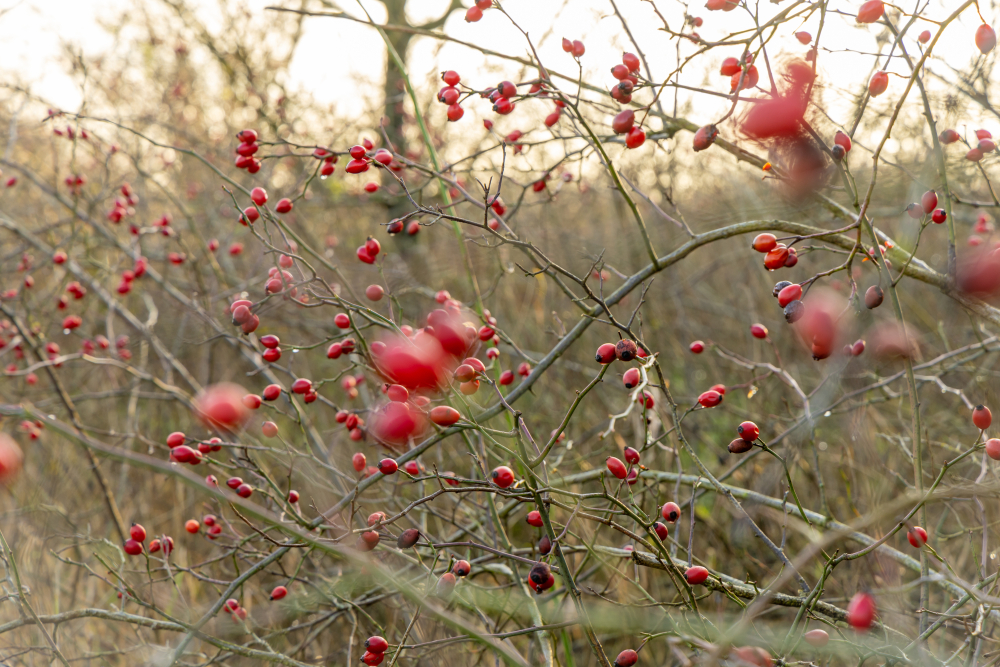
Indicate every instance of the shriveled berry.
{"type": "Point", "coordinates": [874, 297]}
{"type": "Point", "coordinates": [740, 446]}
{"type": "Point", "coordinates": [794, 311]}
{"type": "Point", "coordinates": [626, 350]}
{"type": "Point", "coordinates": [539, 573]}
{"type": "Point", "coordinates": [408, 538]}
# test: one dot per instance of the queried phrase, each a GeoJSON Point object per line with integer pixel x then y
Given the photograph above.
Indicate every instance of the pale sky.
{"type": "Point", "coordinates": [335, 55]}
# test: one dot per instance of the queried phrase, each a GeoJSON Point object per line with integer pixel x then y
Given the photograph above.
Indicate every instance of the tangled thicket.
{"type": "Point", "coordinates": [345, 390]}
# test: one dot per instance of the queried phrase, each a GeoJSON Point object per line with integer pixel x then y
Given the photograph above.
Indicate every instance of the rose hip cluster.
{"type": "Point", "coordinates": [245, 151]}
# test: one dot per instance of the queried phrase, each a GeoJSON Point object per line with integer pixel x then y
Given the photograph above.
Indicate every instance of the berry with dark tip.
{"type": "Point", "coordinates": [982, 417]}
{"type": "Point", "coordinates": [376, 644]}
{"type": "Point", "coordinates": [616, 467]}
{"type": "Point", "coordinates": [503, 476]}
{"type": "Point", "coordinates": [748, 431]}
{"type": "Point", "coordinates": [710, 399]}
{"type": "Point", "coordinates": [626, 350]}
{"type": "Point", "coordinates": [670, 512]}
{"type": "Point", "coordinates": [539, 573]}
{"type": "Point", "coordinates": [606, 353]}
{"type": "Point", "coordinates": [696, 575]}
{"type": "Point", "coordinates": [780, 285]}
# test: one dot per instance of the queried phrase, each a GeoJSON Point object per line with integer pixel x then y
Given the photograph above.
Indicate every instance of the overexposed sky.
{"type": "Point", "coordinates": [335, 55]}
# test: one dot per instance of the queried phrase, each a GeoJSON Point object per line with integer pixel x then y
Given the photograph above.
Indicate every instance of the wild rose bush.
{"type": "Point", "coordinates": [601, 382]}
